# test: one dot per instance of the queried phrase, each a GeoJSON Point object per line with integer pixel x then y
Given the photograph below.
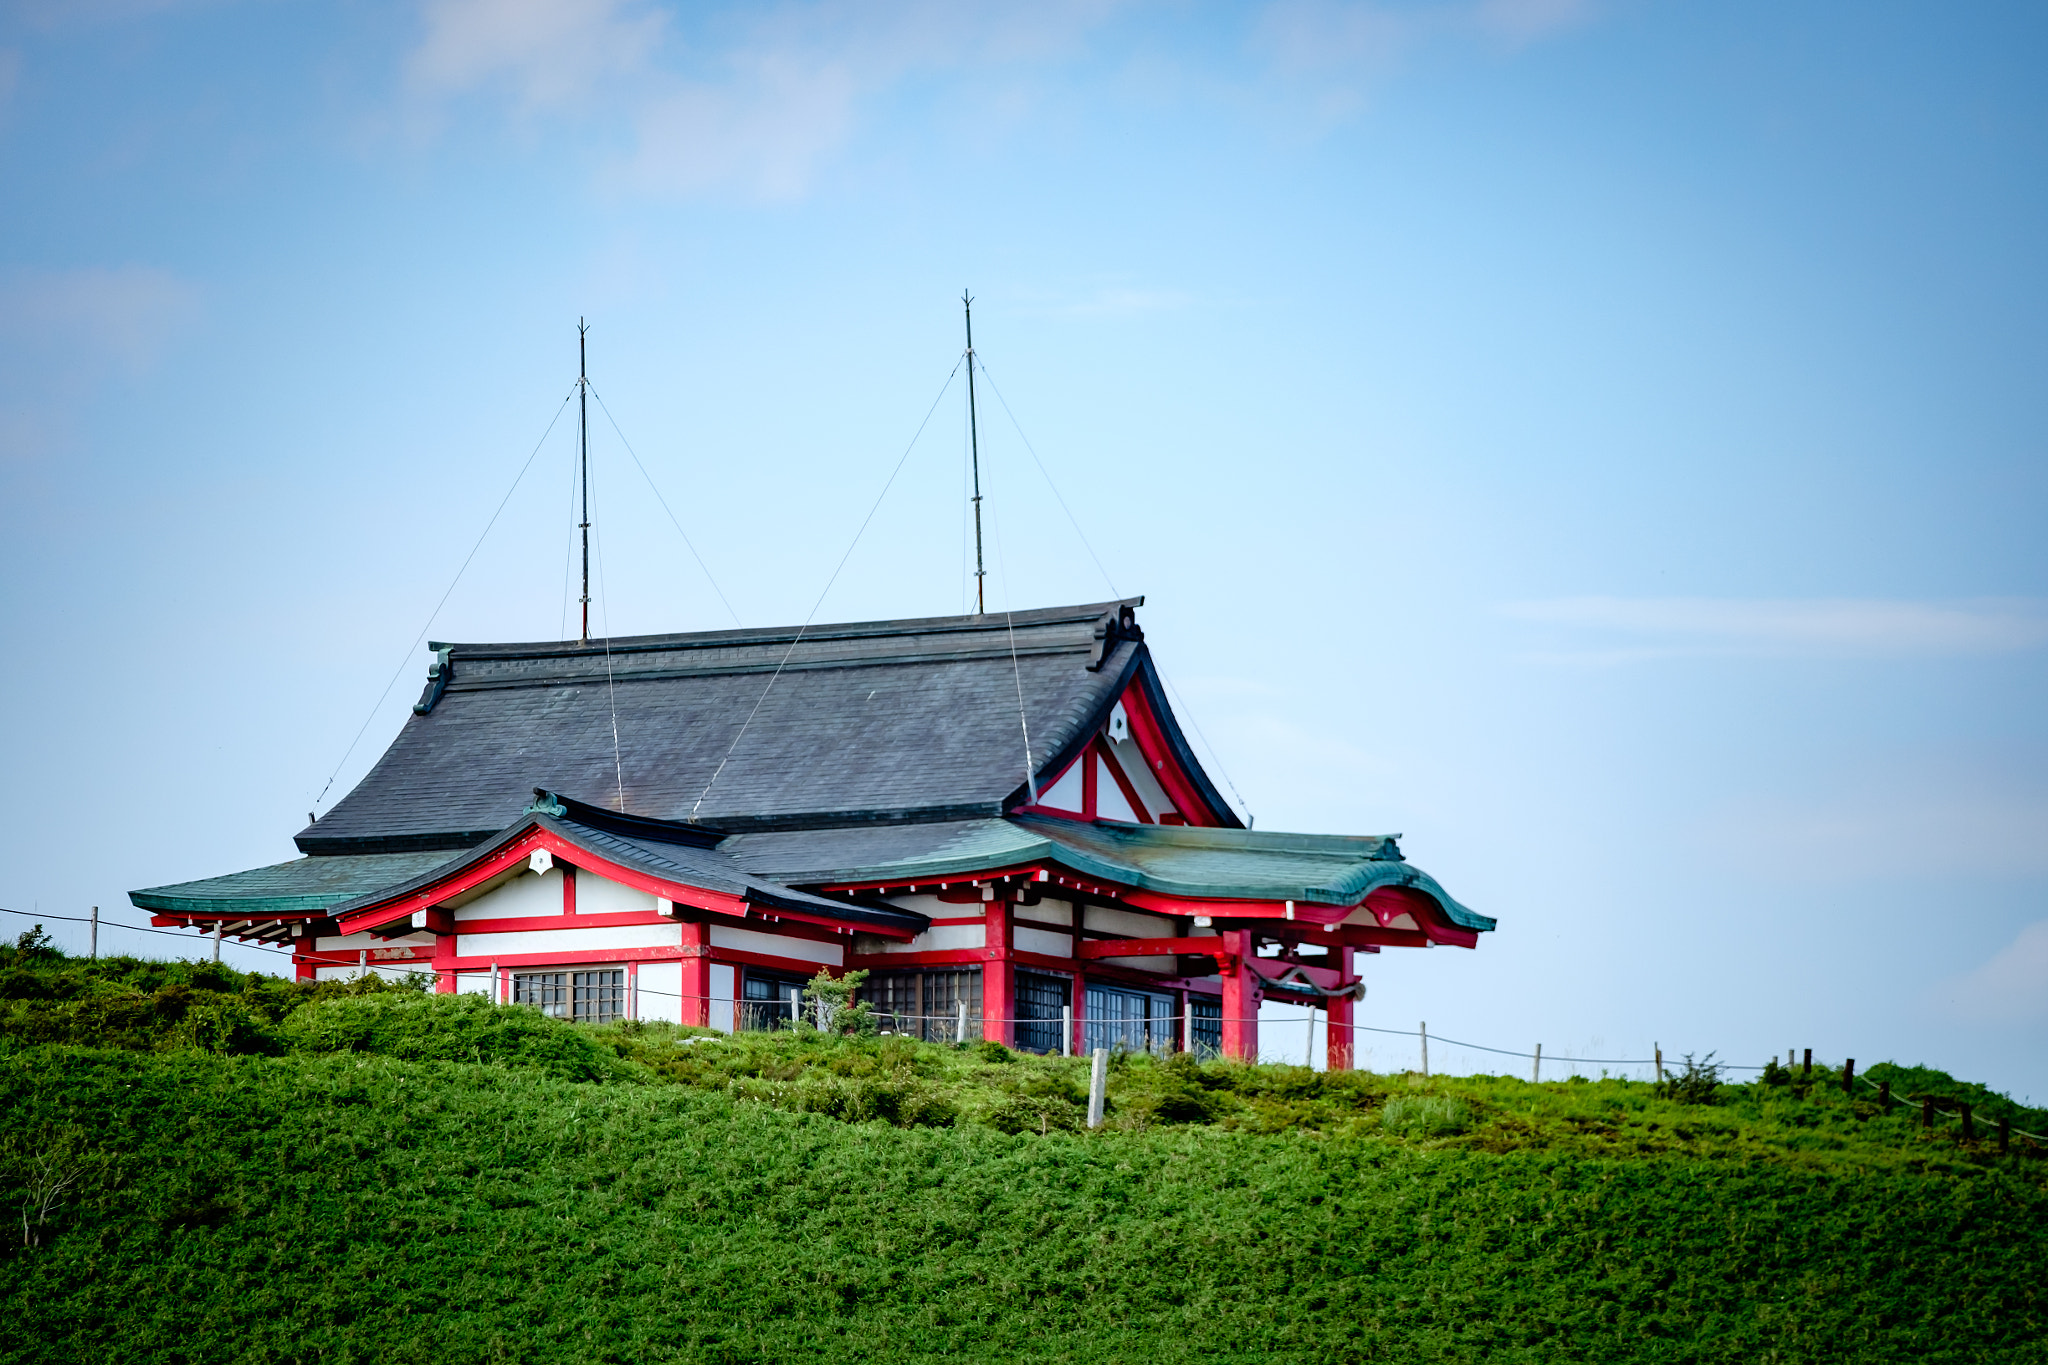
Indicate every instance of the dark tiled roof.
{"type": "Point", "coordinates": [873, 722]}
{"type": "Point", "coordinates": [1235, 864]}
{"type": "Point", "coordinates": [302, 886]}
{"type": "Point", "coordinates": [686, 856]}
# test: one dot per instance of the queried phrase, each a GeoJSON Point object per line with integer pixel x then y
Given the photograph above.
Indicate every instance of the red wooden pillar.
{"type": "Point", "coordinates": [1341, 1038]}
{"type": "Point", "coordinates": [1241, 995]}
{"type": "Point", "coordinates": [696, 1001]}
{"type": "Point", "coordinates": [1077, 1046]}
{"type": "Point", "coordinates": [998, 976]}
{"type": "Point", "coordinates": [444, 962]}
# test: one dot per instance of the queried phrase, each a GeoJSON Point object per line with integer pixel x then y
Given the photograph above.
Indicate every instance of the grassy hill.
{"type": "Point", "coordinates": [204, 1166]}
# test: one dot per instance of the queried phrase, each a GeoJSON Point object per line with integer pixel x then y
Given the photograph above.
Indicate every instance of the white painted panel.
{"type": "Point", "coordinates": [1132, 760]}
{"type": "Point", "coordinates": [472, 983]}
{"type": "Point", "coordinates": [523, 896]}
{"type": "Point", "coordinates": [1042, 941]}
{"type": "Point", "coordinates": [1047, 912]}
{"type": "Point", "coordinates": [351, 942]}
{"type": "Point", "coordinates": [941, 937]}
{"type": "Point", "coordinates": [721, 996]}
{"type": "Point", "coordinates": [597, 895]}
{"type": "Point", "coordinates": [1128, 923]}
{"type": "Point", "coordinates": [933, 908]}
{"type": "Point", "coordinates": [1160, 966]}
{"type": "Point", "coordinates": [661, 991]}
{"type": "Point", "coordinates": [1064, 794]}
{"type": "Point", "coordinates": [568, 940]}
{"type": "Point", "coordinates": [1109, 797]}
{"type": "Point", "coordinates": [779, 945]}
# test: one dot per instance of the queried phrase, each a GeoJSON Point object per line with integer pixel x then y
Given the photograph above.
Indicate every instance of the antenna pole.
{"type": "Point", "coordinates": [583, 457]}
{"type": "Point", "coordinates": [974, 445]}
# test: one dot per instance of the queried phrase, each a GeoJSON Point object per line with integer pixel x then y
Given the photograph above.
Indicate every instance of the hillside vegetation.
{"type": "Point", "coordinates": [200, 1165]}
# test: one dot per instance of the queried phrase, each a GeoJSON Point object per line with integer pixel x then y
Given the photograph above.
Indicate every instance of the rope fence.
{"type": "Point", "coordinates": [1157, 1034]}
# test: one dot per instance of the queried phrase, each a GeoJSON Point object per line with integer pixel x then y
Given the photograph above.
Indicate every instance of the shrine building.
{"type": "Point", "coordinates": [688, 827]}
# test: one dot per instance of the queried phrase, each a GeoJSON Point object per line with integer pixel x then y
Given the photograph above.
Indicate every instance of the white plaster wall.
{"type": "Point", "coordinates": [525, 895]}
{"type": "Point", "coordinates": [938, 938]}
{"type": "Point", "coordinates": [1047, 912]}
{"type": "Point", "coordinates": [597, 895]}
{"type": "Point", "coordinates": [1066, 793]}
{"type": "Point", "coordinates": [778, 945]}
{"type": "Point", "coordinates": [722, 975]}
{"type": "Point", "coordinates": [661, 989]}
{"type": "Point", "coordinates": [351, 942]}
{"type": "Point", "coordinates": [1042, 941]}
{"type": "Point", "coordinates": [1132, 760]}
{"type": "Point", "coordinates": [590, 940]}
{"type": "Point", "coordinates": [1129, 923]}
{"type": "Point", "coordinates": [472, 983]}
{"type": "Point", "coordinates": [931, 907]}
{"type": "Point", "coordinates": [1109, 797]}
{"type": "Point", "coordinates": [1158, 966]}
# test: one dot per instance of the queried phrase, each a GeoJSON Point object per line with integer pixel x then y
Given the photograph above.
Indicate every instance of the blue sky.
{"type": "Point", "coordinates": [1603, 442]}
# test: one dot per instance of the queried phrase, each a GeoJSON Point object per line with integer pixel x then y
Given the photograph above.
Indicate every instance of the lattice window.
{"type": "Point", "coordinates": [1040, 999]}
{"type": "Point", "coordinates": [1206, 1025]}
{"type": "Point", "coordinates": [764, 1003]}
{"type": "Point", "coordinates": [926, 1004]}
{"type": "Point", "coordinates": [1131, 1020]}
{"type": "Point", "coordinates": [589, 997]}
{"type": "Point", "coordinates": [547, 992]}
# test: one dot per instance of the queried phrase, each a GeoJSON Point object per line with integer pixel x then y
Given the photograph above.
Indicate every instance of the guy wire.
{"type": "Point", "coordinates": [444, 599]}
{"type": "Point", "coordinates": [798, 637]}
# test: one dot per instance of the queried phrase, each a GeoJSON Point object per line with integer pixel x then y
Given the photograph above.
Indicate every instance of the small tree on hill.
{"type": "Point", "coordinates": [829, 1005]}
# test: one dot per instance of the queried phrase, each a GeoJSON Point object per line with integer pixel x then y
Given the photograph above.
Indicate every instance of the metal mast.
{"type": "Point", "coordinates": [974, 445]}
{"type": "Point", "coordinates": [583, 447]}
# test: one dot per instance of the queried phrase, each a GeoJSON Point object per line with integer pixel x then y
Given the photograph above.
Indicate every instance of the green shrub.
{"type": "Point", "coordinates": [1699, 1082]}
{"type": "Point", "coordinates": [1425, 1115]}
{"type": "Point", "coordinates": [448, 1028]}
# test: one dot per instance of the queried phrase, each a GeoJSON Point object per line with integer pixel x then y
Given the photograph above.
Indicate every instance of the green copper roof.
{"type": "Point", "coordinates": [1223, 864]}
{"type": "Point", "coordinates": [298, 887]}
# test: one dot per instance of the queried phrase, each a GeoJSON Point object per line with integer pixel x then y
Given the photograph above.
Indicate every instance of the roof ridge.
{"type": "Point", "coordinates": [991, 622]}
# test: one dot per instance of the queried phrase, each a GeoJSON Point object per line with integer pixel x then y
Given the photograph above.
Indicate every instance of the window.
{"type": "Point", "coordinates": [767, 1002]}
{"type": "Point", "coordinates": [1131, 1020]}
{"type": "Point", "coordinates": [926, 1004]}
{"type": "Point", "coordinates": [1041, 997]}
{"type": "Point", "coordinates": [593, 997]}
{"type": "Point", "coordinates": [1205, 1028]}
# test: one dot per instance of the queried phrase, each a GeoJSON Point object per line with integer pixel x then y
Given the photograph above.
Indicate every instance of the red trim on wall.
{"type": "Point", "coordinates": [388, 911]}
{"type": "Point", "coordinates": [1166, 769]}
{"type": "Point", "coordinates": [1107, 758]}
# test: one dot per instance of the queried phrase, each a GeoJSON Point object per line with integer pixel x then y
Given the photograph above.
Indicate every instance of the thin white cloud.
{"type": "Point", "coordinates": [546, 52]}
{"type": "Point", "coordinates": [750, 98]}
{"type": "Point", "coordinates": [2010, 988]}
{"type": "Point", "coordinates": [63, 331]}
{"type": "Point", "coordinates": [1367, 37]}
{"type": "Point", "coordinates": [1971, 824]}
{"type": "Point", "coordinates": [1526, 21]}
{"type": "Point", "coordinates": [1619, 629]}
{"type": "Point", "coordinates": [89, 317]}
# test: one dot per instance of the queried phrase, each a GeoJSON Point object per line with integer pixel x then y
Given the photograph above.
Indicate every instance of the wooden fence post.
{"type": "Point", "coordinates": [1969, 1129]}
{"type": "Point", "coordinates": [1658, 1048]}
{"type": "Point", "coordinates": [1806, 1068]}
{"type": "Point", "coordinates": [1849, 1077]}
{"type": "Point", "coordinates": [1884, 1095]}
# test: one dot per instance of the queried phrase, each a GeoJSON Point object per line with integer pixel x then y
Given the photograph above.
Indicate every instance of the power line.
{"type": "Point", "coordinates": [664, 506]}
{"type": "Point", "coordinates": [443, 602]}
{"type": "Point", "coordinates": [798, 637]}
